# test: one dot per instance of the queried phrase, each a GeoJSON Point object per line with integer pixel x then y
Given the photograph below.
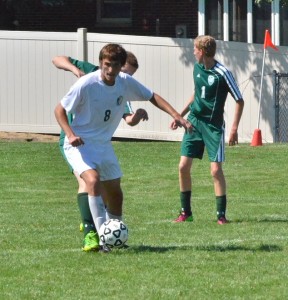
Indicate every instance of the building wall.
{"type": "Point", "coordinates": [34, 15]}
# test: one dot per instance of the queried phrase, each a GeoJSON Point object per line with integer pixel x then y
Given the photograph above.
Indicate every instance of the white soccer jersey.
{"type": "Point", "coordinates": [98, 108]}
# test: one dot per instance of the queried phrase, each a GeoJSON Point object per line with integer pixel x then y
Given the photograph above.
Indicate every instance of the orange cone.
{"type": "Point", "coordinates": [257, 138]}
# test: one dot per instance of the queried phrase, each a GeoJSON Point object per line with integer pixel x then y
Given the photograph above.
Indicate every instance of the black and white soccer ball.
{"type": "Point", "coordinates": [113, 233]}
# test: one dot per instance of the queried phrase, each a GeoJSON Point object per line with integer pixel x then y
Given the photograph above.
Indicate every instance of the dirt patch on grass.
{"type": "Point", "coordinates": [28, 137]}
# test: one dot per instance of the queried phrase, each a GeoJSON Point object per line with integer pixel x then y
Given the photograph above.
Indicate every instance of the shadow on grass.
{"type": "Point", "coordinates": [262, 220]}
{"type": "Point", "coordinates": [273, 220]}
{"type": "Point", "coordinates": [146, 248]}
{"type": "Point", "coordinates": [223, 248]}
{"type": "Point", "coordinates": [215, 248]}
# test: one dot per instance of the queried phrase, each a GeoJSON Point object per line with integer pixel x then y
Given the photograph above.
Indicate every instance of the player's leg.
{"type": "Point", "coordinates": [110, 186]}
{"type": "Point", "coordinates": [78, 158]}
{"type": "Point", "coordinates": [111, 183]}
{"type": "Point", "coordinates": [215, 143]}
{"type": "Point", "coordinates": [82, 195]}
{"type": "Point", "coordinates": [191, 147]}
{"type": "Point", "coordinates": [113, 197]}
{"type": "Point", "coordinates": [220, 191]}
{"type": "Point", "coordinates": [81, 183]}
{"type": "Point", "coordinates": [82, 198]}
{"type": "Point", "coordinates": [185, 189]}
{"type": "Point", "coordinates": [96, 204]}
{"type": "Point", "coordinates": [97, 207]}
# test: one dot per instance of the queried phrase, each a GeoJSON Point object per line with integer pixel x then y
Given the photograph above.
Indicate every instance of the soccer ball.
{"type": "Point", "coordinates": [113, 233]}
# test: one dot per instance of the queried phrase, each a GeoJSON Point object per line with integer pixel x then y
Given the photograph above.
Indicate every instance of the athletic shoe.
{"type": "Point", "coordinates": [81, 227]}
{"type": "Point", "coordinates": [104, 249]}
{"type": "Point", "coordinates": [183, 217]}
{"type": "Point", "coordinates": [222, 221]}
{"type": "Point", "coordinates": [91, 242]}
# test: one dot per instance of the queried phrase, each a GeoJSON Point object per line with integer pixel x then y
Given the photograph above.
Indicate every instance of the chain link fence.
{"type": "Point", "coordinates": [280, 94]}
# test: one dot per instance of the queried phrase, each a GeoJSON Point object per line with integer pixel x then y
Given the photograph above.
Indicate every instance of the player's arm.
{"type": "Point", "coordinates": [233, 137]}
{"type": "Point", "coordinates": [185, 110]}
{"type": "Point", "coordinates": [64, 63]}
{"type": "Point", "coordinates": [61, 117]}
{"type": "Point", "coordinates": [162, 104]}
{"type": "Point", "coordinates": [134, 118]}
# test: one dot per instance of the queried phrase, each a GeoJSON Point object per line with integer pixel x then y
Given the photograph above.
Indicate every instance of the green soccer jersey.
{"type": "Point", "coordinates": [211, 89]}
{"type": "Point", "coordinates": [84, 66]}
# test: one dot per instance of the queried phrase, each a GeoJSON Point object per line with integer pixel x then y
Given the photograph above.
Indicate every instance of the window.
{"type": "Point", "coordinates": [114, 11]}
{"type": "Point", "coordinates": [214, 19]}
{"type": "Point", "coordinates": [238, 20]}
{"type": "Point", "coordinates": [261, 20]}
{"type": "Point", "coordinates": [283, 23]}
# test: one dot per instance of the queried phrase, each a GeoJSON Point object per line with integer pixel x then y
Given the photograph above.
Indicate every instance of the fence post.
{"type": "Point", "coordinates": [82, 44]}
{"type": "Point", "coordinates": [276, 106]}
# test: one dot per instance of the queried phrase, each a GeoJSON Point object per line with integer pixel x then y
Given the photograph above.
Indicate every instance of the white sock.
{"type": "Point", "coordinates": [111, 216]}
{"type": "Point", "coordinates": [97, 209]}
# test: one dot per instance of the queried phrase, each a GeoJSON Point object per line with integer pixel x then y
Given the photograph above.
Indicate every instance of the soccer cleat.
{"type": "Point", "coordinates": [91, 242]}
{"type": "Point", "coordinates": [183, 217]}
{"type": "Point", "coordinates": [104, 249]}
{"type": "Point", "coordinates": [81, 227]}
{"type": "Point", "coordinates": [222, 221]}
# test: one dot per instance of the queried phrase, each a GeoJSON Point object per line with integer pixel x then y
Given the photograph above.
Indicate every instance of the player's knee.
{"type": "Point", "coordinates": [92, 182]}
{"type": "Point", "coordinates": [216, 172]}
{"type": "Point", "coordinates": [184, 168]}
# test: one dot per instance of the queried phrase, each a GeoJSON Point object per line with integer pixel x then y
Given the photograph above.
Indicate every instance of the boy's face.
{"type": "Point", "coordinates": [198, 53]}
{"type": "Point", "coordinates": [109, 70]}
{"type": "Point", "coordinates": [127, 68]}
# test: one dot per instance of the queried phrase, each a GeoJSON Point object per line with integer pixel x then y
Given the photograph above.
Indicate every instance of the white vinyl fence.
{"type": "Point", "coordinates": [30, 85]}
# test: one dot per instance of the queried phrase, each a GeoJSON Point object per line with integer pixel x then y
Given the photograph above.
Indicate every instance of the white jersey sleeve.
{"type": "Point", "coordinates": [134, 90]}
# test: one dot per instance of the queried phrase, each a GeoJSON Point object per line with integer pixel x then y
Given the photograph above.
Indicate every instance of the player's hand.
{"type": "Point", "coordinates": [77, 72]}
{"type": "Point", "coordinates": [233, 138]}
{"type": "Point", "coordinates": [141, 114]}
{"type": "Point", "coordinates": [75, 141]}
{"type": "Point", "coordinates": [173, 125]}
{"type": "Point", "coordinates": [181, 122]}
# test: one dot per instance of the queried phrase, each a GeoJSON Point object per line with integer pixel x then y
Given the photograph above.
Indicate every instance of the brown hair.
{"type": "Point", "coordinates": [132, 60]}
{"type": "Point", "coordinates": [113, 52]}
{"type": "Point", "coordinates": [206, 43]}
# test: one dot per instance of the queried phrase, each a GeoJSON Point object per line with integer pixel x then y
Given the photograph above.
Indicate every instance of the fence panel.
{"type": "Point", "coordinates": [32, 86]}
{"type": "Point", "coordinates": [281, 106]}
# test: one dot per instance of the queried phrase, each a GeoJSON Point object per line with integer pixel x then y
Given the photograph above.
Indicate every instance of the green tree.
{"type": "Point", "coordinates": [283, 2]}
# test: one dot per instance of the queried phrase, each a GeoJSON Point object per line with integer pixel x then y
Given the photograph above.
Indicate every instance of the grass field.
{"type": "Point", "coordinates": [40, 241]}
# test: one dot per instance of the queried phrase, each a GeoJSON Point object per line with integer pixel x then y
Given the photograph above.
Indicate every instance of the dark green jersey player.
{"type": "Point", "coordinates": [79, 69]}
{"type": "Point", "coordinates": [212, 83]}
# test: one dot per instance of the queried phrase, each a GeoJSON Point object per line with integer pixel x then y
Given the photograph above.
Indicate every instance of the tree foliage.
{"type": "Point", "coordinates": [282, 2]}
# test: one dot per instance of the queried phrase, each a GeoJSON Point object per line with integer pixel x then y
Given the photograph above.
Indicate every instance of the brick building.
{"type": "Point", "coordinates": [132, 17]}
{"type": "Point", "coordinates": [228, 20]}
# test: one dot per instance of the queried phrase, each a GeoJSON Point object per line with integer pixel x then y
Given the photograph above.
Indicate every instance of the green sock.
{"type": "Point", "coordinates": [221, 203]}
{"type": "Point", "coordinates": [185, 198]}
{"type": "Point", "coordinates": [86, 216]}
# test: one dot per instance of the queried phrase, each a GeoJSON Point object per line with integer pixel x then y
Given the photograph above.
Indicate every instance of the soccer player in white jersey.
{"type": "Point", "coordinates": [212, 82]}
{"type": "Point", "coordinates": [79, 69]}
{"type": "Point", "coordinates": [97, 102]}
